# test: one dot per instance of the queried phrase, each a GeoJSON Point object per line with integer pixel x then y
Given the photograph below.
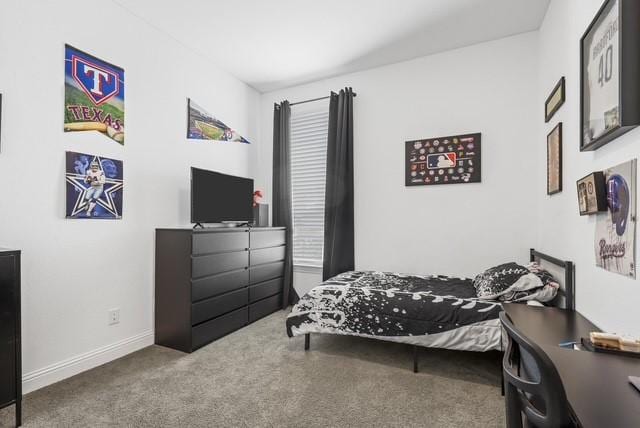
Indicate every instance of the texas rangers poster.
{"type": "Point", "coordinates": [203, 126]}
{"type": "Point", "coordinates": [94, 186]}
{"type": "Point", "coordinates": [93, 96]}
{"type": "Point", "coordinates": [615, 240]}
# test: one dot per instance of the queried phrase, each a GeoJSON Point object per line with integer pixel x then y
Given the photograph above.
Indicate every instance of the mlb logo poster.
{"type": "Point", "coordinates": [443, 160]}
{"type": "Point", "coordinates": [94, 186]}
{"type": "Point", "coordinates": [93, 96]}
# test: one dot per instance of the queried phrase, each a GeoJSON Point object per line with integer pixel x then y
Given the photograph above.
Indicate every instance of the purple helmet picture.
{"type": "Point", "coordinates": [618, 199]}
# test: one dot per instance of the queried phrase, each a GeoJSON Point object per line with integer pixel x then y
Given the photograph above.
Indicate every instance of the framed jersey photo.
{"type": "Point", "coordinates": [610, 105]}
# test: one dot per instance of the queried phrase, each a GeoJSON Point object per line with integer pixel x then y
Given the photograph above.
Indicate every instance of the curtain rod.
{"type": "Point", "coordinates": [314, 99]}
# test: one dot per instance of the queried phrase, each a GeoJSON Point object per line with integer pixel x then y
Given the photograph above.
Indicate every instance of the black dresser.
{"type": "Point", "coordinates": [210, 282]}
{"type": "Point", "coordinates": [10, 357]}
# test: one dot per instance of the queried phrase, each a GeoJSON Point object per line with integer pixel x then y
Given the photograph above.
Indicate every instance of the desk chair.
{"type": "Point", "coordinates": [538, 393]}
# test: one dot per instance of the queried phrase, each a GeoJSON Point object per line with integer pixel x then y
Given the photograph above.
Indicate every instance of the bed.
{"type": "Point", "coordinates": [420, 310]}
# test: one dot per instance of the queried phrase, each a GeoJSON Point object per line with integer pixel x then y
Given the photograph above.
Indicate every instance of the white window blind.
{"type": "Point", "coordinates": [308, 171]}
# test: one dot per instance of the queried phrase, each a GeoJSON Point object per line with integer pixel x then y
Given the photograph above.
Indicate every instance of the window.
{"type": "Point", "coordinates": [308, 171]}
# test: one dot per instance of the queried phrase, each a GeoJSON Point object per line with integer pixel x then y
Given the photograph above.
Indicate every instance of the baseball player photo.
{"type": "Point", "coordinates": [96, 179]}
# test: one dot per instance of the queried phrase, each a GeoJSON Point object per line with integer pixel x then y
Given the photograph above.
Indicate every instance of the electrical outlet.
{"type": "Point", "coordinates": [114, 316]}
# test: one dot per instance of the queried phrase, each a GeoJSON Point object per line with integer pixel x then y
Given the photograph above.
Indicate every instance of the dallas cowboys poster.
{"type": "Point", "coordinates": [94, 186]}
{"type": "Point", "coordinates": [94, 95]}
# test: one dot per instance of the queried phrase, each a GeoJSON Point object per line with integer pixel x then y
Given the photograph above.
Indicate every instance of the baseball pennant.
{"type": "Point", "coordinates": [203, 126]}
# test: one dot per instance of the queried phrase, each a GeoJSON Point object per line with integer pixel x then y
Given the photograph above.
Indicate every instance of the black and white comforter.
{"type": "Point", "coordinates": [434, 311]}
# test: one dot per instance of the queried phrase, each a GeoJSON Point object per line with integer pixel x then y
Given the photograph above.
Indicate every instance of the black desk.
{"type": "Point", "coordinates": [596, 384]}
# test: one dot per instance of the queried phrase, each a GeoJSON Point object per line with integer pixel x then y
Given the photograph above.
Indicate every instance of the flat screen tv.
{"type": "Point", "coordinates": [217, 198]}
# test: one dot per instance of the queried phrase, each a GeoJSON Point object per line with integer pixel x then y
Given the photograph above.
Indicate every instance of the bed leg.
{"type": "Point", "coordinates": [307, 340]}
{"type": "Point", "coordinates": [415, 359]}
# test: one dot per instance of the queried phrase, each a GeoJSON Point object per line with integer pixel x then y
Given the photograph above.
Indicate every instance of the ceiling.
{"type": "Point", "coordinates": [271, 44]}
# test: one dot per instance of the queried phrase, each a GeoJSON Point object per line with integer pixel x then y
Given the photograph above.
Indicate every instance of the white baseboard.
{"type": "Point", "coordinates": [83, 362]}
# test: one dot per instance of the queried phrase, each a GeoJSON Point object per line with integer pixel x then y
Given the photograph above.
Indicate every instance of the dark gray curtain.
{"type": "Point", "coordinates": [282, 191]}
{"type": "Point", "coordinates": [338, 205]}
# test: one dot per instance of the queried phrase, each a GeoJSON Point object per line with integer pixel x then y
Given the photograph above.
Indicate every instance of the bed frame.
{"type": "Point", "coordinates": [564, 299]}
{"type": "Point", "coordinates": [566, 294]}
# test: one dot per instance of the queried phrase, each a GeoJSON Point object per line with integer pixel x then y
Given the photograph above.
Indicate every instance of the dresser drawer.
{"type": "Point", "coordinates": [267, 255]}
{"type": "Point", "coordinates": [211, 308]}
{"type": "Point", "coordinates": [265, 272]}
{"type": "Point", "coordinates": [265, 289]}
{"type": "Point", "coordinates": [218, 263]}
{"type": "Point", "coordinates": [218, 327]}
{"type": "Point", "coordinates": [267, 238]}
{"type": "Point", "coordinates": [264, 307]}
{"type": "Point", "coordinates": [7, 370]}
{"type": "Point", "coordinates": [219, 242]}
{"type": "Point", "coordinates": [218, 284]}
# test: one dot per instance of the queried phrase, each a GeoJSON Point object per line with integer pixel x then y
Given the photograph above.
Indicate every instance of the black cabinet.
{"type": "Point", "coordinates": [10, 358]}
{"type": "Point", "coordinates": [211, 282]}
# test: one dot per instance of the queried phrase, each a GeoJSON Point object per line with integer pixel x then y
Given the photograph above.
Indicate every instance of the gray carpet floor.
{"type": "Point", "coordinates": [258, 377]}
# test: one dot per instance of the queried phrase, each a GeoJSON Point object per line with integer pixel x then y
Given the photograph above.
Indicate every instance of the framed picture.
{"type": "Point", "coordinates": [554, 101]}
{"type": "Point", "coordinates": [592, 193]}
{"type": "Point", "coordinates": [609, 60]}
{"type": "Point", "coordinates": [443, 160]}
{"type": "Point", "coordinates": [554, 160]}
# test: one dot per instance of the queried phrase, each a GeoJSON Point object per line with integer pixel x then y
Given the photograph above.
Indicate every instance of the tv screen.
{"type": "Point", "coordinates": [217, 197]}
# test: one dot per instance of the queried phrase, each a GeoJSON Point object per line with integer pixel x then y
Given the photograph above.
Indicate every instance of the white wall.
{"type": "Point", "coordinates": [609, 300]}
{"type": "Point", "coordinates": [455, 229]}
{"type": "Point", "coordinates": [74, 271]}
